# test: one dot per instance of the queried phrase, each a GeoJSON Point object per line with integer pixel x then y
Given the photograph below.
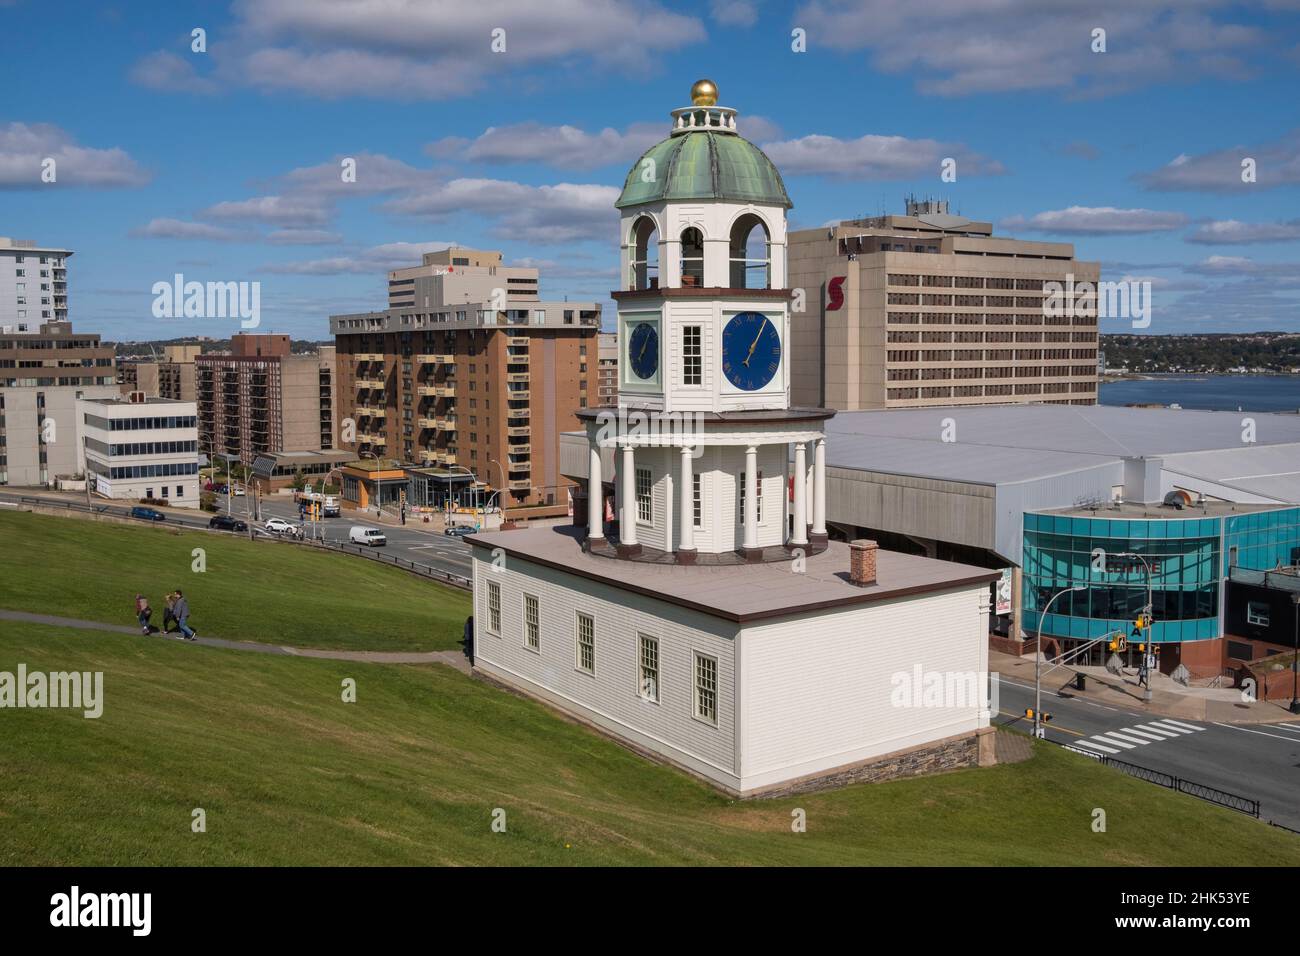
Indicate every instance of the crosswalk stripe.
{"type": "Point", "coordinates": [1146, 733]}
{"type": "Point", "coordinates": [1164, 734]}
{"type": "Point", "coordinates": [1126, 735]}
{"type": "Point", "coordinates": [1088, 743]}
{"type": "Point", "coordinates": [1291, 727]}
{"type": "Point", "coordinates": [1177, 725]}
{"type": "Point", "coordinates": [1106, 739]}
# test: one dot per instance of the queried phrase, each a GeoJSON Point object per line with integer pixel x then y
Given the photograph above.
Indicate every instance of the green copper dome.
{"type": "Point", "coordinates": [704, 164]}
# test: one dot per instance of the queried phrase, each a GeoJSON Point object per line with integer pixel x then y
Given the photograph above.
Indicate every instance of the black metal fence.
{"type": "Point", "coordinates": [1223, 798]}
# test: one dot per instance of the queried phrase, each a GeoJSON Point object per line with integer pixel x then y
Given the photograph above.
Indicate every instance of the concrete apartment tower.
{"type": "Point", "coordinates": [33, 283]}
{"type": "Point", "coordinates": [933, 309]}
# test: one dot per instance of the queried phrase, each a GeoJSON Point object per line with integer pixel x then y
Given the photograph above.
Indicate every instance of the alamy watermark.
{"type": "Point", "coordinates": [77, 690]}
{"type": "Point", "coordinates": [650, 428]}
{"type": "Point", "coordinates": [208, 300]}
{"type": "Point", "coordinates": [946, 690]}
{"type": "Point", "coordinates": [1130, 299]}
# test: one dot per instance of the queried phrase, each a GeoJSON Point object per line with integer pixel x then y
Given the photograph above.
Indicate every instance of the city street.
{"type": "Point", "coordinates": [1259, 761]}
{"type": "Point", "coordinates": [416, 542]}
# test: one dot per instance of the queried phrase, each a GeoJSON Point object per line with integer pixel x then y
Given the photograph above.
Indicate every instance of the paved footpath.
{"type": "Point", "coordinates": [452, 658]}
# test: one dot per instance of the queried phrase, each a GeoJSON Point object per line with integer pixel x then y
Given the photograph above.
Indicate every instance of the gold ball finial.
{"type": "Point", "coordinates": [704, 93]}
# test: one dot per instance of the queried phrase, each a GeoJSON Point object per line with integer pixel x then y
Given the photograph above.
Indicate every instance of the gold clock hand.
{"type": "Point", "coordinates": [644, 345]}
{"type": "Point", "coordinates": [754, 346]}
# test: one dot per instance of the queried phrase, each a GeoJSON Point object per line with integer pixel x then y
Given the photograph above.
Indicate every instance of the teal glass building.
{"type": "Point", "coordinates": [1188, 555]}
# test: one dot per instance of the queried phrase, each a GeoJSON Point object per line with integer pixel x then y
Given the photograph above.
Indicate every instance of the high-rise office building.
{"type": "Point", "coordinates": [471, 371]}
{"type": "Point", "coordinates": [260, 397]}
{"type": "Point", "coordinates": [933, 309]}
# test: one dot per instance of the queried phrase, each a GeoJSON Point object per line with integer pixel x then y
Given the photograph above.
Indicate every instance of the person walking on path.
{"type": "Point", "coordinates": [143, 612]}
{"type": "Point", "coordinates": [169, 612]}
{"type": "Point", "coordinates": [182, 613]}
{"type": "Point", "coordinates": [467, 640]}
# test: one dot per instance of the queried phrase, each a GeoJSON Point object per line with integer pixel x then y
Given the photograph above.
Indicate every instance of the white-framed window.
{"type": "Point", "coordinates": [644, 508]}
{"type": "Point", "coordinates": [692, 356]}
{"type": "Point", "coordinates": [494, 607]}
{"type": "Point", "coordinates": [532, 623]}
{"type": "Point", "coordinates": [697, 501]}
{"type": "Point", "coordinates": [648, 667]}
{"type": "Point", "coordinates": [758, 504]}
{"type": "Point", "coordinates": [706, 688]}
{"type": "Point", "coordinates": [1257, 613]}
{"type": "Point", "coordinates": [586, 644]}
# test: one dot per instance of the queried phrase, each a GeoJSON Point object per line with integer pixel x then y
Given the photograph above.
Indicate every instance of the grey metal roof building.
{"type": "Point", "coordinates": [967, 475]}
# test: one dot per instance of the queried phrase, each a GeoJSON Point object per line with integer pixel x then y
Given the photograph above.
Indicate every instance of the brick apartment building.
{"type": "Point", "coordinates": [468, 370]}
{"type": "Point", "coordinates": [932, 309]}
{"type": "Point", "coordinates": [259, 397]}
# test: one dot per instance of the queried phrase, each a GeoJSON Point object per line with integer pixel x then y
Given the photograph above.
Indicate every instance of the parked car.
{"type": "Point", "coordinates": [227, 523]}
{"type": "Point", "coordinates": [370, 537]}
{"type": "Point", "coordinates": [460, 530]}
{"type": "Point", "coordinates": [280, 526]}
{"type": "Point", "coordinates": [147, 514]}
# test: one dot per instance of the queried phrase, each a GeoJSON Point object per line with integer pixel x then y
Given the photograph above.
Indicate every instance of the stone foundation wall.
{"type": "Point", "coordinates": [951, 753]}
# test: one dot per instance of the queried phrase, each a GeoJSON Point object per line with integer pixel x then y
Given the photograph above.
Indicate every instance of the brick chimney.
{"type": "Point", "coordinates": [862, 562]}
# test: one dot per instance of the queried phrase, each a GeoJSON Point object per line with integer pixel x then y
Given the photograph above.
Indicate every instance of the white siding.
{"type": "Point", "coordinates": [610, 699]}
{"type": "Point", "coordinates": [816, 691]}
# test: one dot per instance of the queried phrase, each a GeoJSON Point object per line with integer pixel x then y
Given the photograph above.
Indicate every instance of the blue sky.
{"type": "Point", "coordinates": [224, 165]}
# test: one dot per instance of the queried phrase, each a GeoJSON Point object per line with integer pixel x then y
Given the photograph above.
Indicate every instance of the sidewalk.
{"type": "Point", "coordinates": [452, 658]}
{"type": "Point", "coordinates": [1168, 697]}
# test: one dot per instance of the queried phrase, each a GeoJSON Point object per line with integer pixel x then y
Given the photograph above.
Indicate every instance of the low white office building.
{"type": "Point", "coordinates": [713, 624]}
{"type": "Point", "coordinates": [135, 448]}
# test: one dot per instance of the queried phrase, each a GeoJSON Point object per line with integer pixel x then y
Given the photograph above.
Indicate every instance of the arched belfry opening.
{"type": "Point", "coordinates": [750, 253]}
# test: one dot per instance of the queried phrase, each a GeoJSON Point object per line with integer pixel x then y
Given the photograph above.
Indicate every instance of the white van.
{"type": "Point", "coordinates": [370, 537]}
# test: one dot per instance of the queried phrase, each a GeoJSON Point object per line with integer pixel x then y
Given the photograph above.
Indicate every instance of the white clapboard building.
{"type": "Point", "coordinates": [713, 624]}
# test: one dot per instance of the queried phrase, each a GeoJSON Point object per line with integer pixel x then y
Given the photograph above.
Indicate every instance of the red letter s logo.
{"type": "Point", "coordinates": [835, 294]}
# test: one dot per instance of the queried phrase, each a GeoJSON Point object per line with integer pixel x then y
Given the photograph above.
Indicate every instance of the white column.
{"type": "Point", "coordinates": [687, 537]}
{"type": "Point", "coordinates": [627, 523]}
{"type": "Point", "coordinates": [819, 488]}
{"type": "Point", "coordinates": [595, 504]}
{"type": "Point", "coordinates": [750, 539]}
{"type": "Point", "coordinates": [799, 535]}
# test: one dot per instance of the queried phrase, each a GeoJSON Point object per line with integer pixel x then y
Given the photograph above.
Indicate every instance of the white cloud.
{"type": "Point", "coordinates": [1098, 220]}
{"type": "Point", "coordinates": [1233, 232]}
{"type": "Point", "coordinates": [25, 147]}
{"type": "Point", "coordinates": [1243, 266]}
{"type": "Point", "coordinates": [563, 212]}
{"type": "Point", "coordinates": [874, 157]}
{"type": "Point", "coordinates": [303, 237]}
{"type": "Point", "coordinates": [181, 229]}
{"type": "Point", "coordinates": [170, 73]}
{"type": "Point", "coordinates": [734, 13]}
{"type": "Point", "coordinates": [1277, 163]}
{"type": "Point", "coordinates": [959, 47]}
{"type": "Point", "coordinates": [374, 260]}
{"type": "Point", "coordinates": [564, 147]}
{"type": "Point", "coordinates": [430, 49]}
{"type": "Point", "coordinates": [288, 210]}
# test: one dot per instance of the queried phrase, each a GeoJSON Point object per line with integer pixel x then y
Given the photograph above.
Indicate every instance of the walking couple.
{"type": "Point", "coordinates": [177, 611]}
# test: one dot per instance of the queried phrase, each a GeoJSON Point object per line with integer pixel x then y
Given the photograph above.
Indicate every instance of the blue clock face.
{"type": "Point", "coordinates": [643, 350]}
{"type": "Point", "coordinates": [751, 351]}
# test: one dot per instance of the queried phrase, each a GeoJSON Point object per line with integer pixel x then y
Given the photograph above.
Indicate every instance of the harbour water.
{"type": "Point", "coordinates": [1249, 393]}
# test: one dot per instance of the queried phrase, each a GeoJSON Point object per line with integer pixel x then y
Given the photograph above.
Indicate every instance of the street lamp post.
{"type": "Point", "coordinates": [1146, 615]}
{"type": "Point", "coordinates": [1295, 674]}
{"type": "Point", "coordinates": [493, 461]}
{"type": "Point", "coordinates": [1038, 660]}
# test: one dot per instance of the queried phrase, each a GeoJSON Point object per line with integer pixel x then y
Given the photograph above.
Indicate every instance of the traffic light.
{"type": "Point", "coordinates": [1043, 715]}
